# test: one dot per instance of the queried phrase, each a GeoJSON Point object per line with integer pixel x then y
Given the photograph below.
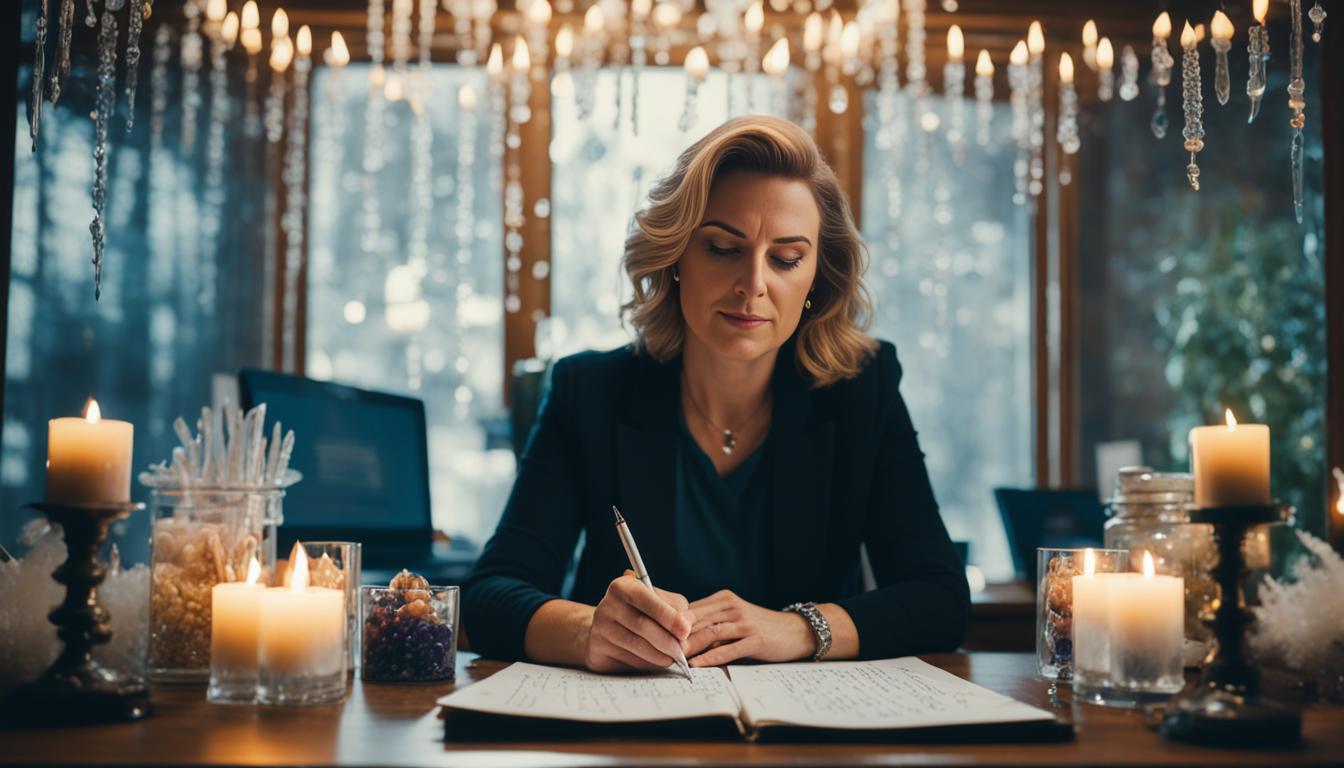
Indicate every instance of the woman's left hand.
{"type": "Point", "coordinates": [728, 628]}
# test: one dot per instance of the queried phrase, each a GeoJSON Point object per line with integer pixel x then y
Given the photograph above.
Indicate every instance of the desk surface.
{"type": "Point", "coordinates": [398, 725]}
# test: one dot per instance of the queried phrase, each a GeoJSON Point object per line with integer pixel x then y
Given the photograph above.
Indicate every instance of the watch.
{"type": "Point", "coordinates": [820, 627]}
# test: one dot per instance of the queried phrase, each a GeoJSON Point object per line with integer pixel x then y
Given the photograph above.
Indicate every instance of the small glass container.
{"type": "Point", "coordinates": [409, 633]}
{"type": "Point", "coordinates": [301, 646]}
{"type": "Point", "coordinates": [1055, 569]}
{"type": "Point", "coordinates": [336, 564]}
{"type": "Point", "coordinates": [1150, 513]}
{"type": "Point", "coordinates": [201, 536]}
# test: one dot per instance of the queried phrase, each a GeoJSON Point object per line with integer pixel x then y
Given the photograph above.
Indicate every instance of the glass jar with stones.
{"type": "Point", "coordinates": [201, 536]}
{"type": "Point", "coordinates": [1150, 513]}
{"type": "Point", "coordinates": [409, 631]}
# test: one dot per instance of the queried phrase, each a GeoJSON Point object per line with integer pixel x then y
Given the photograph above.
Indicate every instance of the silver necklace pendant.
{"type": "Point", "coordinates": [729, 442]}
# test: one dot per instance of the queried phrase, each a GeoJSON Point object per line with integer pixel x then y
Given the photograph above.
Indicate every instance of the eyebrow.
{"type": "Point", "coordinates": [739, 233]}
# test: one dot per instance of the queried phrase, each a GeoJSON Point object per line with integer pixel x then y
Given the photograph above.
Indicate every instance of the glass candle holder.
{"type": "Point", "coordinates": [409, 635]}
{"type": "Point", "coordinates": [300, 646]}
{"type": "Point", "coordinates": [1055, 569]}
{"type": "Point", "coordinates": [235, 615]}
{"type": "Point", "coordinates": [336, 565]}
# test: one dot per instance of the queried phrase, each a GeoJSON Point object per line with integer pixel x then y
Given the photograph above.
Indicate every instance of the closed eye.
{"type": "Point", "coordinates": [722, 251]}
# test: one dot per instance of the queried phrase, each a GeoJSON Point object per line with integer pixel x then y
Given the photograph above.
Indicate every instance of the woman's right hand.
{"type": "Point", "coordinates": [637, 629]}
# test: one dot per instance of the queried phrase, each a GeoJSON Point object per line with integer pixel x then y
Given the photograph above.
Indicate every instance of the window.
{"type": "Point", "coordinates": [950, 276]}
{"type": "Point", "coordinates": [416, 314]}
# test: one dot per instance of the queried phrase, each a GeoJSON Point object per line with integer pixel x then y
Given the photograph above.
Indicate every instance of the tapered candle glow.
{"type": "Point", "coordinates": [1065, 68]}
{"type": "Point", "coordinates": [228, 30]}
{"type": "Point", "coordinates": [956, 43]}
{"type": "Point", "coordinates": [250, 19]}
{"type": "Point", "coordinates": [1105, 54]}
{"type": "Point", "coordinates": [1162, 26]}
{"type": "Point", "coordinates": [697, 64]}
{"type": "Point", "coordinates": [1035, 39]}
{"type": "Point", "coordinates": [279, 25]}
{"type": "Point", "coordinates": [984, 66]}
{"type": "Point", "coordinates": [338, 55]}
{"type": "Point", "coordinates": [776, 62]}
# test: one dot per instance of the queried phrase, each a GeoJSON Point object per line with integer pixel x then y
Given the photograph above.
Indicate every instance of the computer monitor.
{"type": "Point", "coordinates": [365, 463]}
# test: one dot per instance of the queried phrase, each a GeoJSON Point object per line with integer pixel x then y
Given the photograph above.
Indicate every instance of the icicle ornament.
{"type": "Point", "coordinates": [1258, 51]}
{"type": "Point", "coordinates": [1019, 85]}
{"type": "Point", "coordinates": [135, 25]}
{"type": "Point", "coordinates": [1221, 31]}
{"type": "Point", "coordinates": [1066, 132]}
{"type": "Point", "coordinates": [190, 56]}
{"type": "Point", "coordinates": [1192, 103]}
{"type": "Point", "coordinates": [984, 98]}
{"type": "Point", "coordinates": [954, 90]}
{"type": "Point", "coordinates": [1297, 103]}
{"type": "Point", "coordinates": [39, 60]}
{"type": "Point", "coordinates": [1036, 91]}
{"type": "Point", "coordinates": [1162, 64]}
{"type": "Point", "coordinates": [61, 67]}
{"type": "Point", "coordinates": [1129, 74]}
{"type": "Point", "coordinates": [104, 102]}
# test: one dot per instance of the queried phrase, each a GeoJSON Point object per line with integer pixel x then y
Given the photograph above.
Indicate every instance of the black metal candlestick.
{"type": "Point", "coordinates": [75, 689]}
{"type": "Point", "coordinates": [1224, 708]}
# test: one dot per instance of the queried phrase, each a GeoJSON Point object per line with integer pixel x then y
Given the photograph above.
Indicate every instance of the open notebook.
{"type": "Point", "coordinates": [889, 700]}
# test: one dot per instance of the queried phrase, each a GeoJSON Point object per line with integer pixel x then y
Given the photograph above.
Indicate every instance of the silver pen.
{"type": "Point", "coordinates": [637, 565]}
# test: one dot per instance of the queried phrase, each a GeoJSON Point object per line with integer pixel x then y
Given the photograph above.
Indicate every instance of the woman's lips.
{"type": "Point", "coordinates": [745, 322]}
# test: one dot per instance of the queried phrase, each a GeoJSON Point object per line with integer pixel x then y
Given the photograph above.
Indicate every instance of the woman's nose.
{"type": "Point", "coordinates": [751, 282]}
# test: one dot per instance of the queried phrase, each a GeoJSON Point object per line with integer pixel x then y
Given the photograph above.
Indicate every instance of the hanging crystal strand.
{"type": "Point", "coordinates": [105, 101]}
{"type": "Point", "coordinates": [158, 86]}
{"type": "Point", "coordinates": [890, 138]}
{"type": "Point", "coordinates": [984, 98]}
{"type": "Point", "coordinates": [249, 36]}
{"type": "Point", "coordinates": [814, 32]}
{"type": "Point", "coordinates": [1221, 32]}
{"type": "Point", "coordinates": [697, 68]}
{"type": "Point", "coordinates": [61, 67]}
{"type": "Point", "coordinates": [294, 177]}
{"type": "Point", "coordinates": [1066, 131]}
{"type": "Point", "coordinates": [1162, 63]}
{"type": "Point", "coordinates": [753, 20]}
{"type": "Point", "coordinates": [1036, 91]}
{"type": "Point", "coordinates": [1129, 74]}
{"type": "Point", "coordinates": [1317, 16]}
{"type": "Point", "coordinates": [135, 24]}
{"type": "Point", "coordinates": [282, 55]}
{"type": "Point", "coordinates": [1192, 102]}
{"type": "Point", "coordinates": [190, 57]}
{"type": "Point", "coordinates": [494, 68]}
{"type": "Point", "coordinates": [1258, 52]}
{"type": "Point", "coordinates": [371, 164]}
{"type": "Point", "coordinates": [91, 16]}
{"type": "Point", "coordinates": [39, 60]}
{"type": "Point", "coordinates": [916, 83]}
{"type": "Point", "coordinates": [1019, 84]}
{"type": "Point", "coordinates": [1297, 104]}
{"type": "Point", "coordinates": [1106, 70]}
{"type": "Point", "coordinates": [639, 14]}
{"type": "Point", "coordinates": [590, 58]}
{"type": "Point", "coordinates": [212, 213]}
{"type": "Point", "coordinates": [422, 145]}
{"type": "Point", "coordinates": [465, 195]}
{"type": "Point", "coordinates": [954, 90]}
{"type": "Point", "coordinates": [400, 44]}
{"type": "Point", "coordinates": [520, 92]}
{"type": "Point", "coordinates": [514, 218]}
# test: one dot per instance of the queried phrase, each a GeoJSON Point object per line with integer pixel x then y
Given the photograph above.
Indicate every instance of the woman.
{"type": "Point", "coordinates": [753, 437]}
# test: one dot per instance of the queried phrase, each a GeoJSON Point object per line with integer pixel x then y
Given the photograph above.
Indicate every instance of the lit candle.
{"type": "Point", "coordinates": [956, 43]}
{"type": "Point", "coordinates": [89, 459]}
{"type": "Point", "coordinates": [1231, 464]}
{"type": "Point", "coordinates": [1090, 38]}
{"type": "Point", "coordinates": [235, 613]}
{"type": "Point", "coordinates": [1091, 620]}
{"type": "Point", "coordinates": [1147, 630]}
{"type": "Point", "coordinates": [302, 628]}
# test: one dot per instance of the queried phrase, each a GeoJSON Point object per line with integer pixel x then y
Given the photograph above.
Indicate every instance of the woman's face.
{"type": "Point", "coordinates": [750, 265]}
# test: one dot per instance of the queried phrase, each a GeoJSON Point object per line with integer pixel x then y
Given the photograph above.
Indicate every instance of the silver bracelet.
{"type": "Point", "coordinates": [820, 627]}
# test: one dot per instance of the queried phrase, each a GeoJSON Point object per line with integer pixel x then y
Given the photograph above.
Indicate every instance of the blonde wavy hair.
{"type": "Point", "coordinates": [831, 342]}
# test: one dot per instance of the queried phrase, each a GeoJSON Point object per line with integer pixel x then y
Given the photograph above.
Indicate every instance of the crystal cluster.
{"type": "Point", "coordinates": [1300, 623]}
{"type": "Point", "coordinates": [405, 639]}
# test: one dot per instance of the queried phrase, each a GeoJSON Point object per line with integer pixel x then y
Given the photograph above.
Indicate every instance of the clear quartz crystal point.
{"type": "Point", "coordinates": [1317, 16]}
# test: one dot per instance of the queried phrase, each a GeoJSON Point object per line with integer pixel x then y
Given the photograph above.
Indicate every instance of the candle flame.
{"type": "Point", "coordinates": [1222, 26]}
{"type": "Point", "coordinates": [1339, 480]}
{"type": "Point", "coordinates": [1065, 68]}
{"type": "Point", "coordinates": [1258, 9]}
{"type": "Point", "coordinates": [279, 24]}
{"type": "Point", "coordinates": [1035, 38]}
{"type": "Point", "coordinates": [250, 18]}
{"type": "Point", "coordinates": [754, 19]}
{"type": "Point", "coordinates": [697, 64]}
{"type": "Point", "coordinates": [251, 40]}
{"type": "Point", "coordinates": [776, 61]}
{"type": "Point", "coordinates": [1200, 33]}
{"type": "Point", "coordinates": [304, 41]}
{"type": "Point", "coordinates": [1019, 54]}
{"type": "Point", "coordinates": [564, 42]}
{"type": "Point", "coordinates": [338, 55]}
{"type": "Point", "coordinates": [298, 569]}
{"type": "Point", "coordinates": [228, 30]}
{"type": "Point", "coordinates": [495, 64]}
{"type": "Point", "coordinates": [253, 571]}
{"type": "Point", "coordinates": [466, 96]}
{"type": "Point", "coordinates": [593, 20]}
{"type": "Point", "coordinates": [539, 13]}
{"type": "Point", "coordinates": [216, 10]}
{"type": "Point", "coordinates": [1187, 36]}
{"type": "Point", "coordinates": [1148, 570]}
{"type": "Point", "coordinates": [1162, 26]}
{"type": "Point", "coordinates": [1105, 54]}
{"type": "Point", "coordinates": [850, 39]}
{"type": "Point", "coordinates": [813, 32]}
{"type": "Point", "coordinates": [92, 413]}
{"type": "Point", "coordinates": [1089, 562]}
{"type": "Point", "coordinates": [984, 66]}
{"type": "Point", "coordinates": [1231, 420]}
{"type": "Point", "coordinates": [1090, 33]}
{"type": "Point", "coordinates": [956, 43]}
{"type": "Point", "coordinates": [522, 58]}
{"type": "Point", "coordinates": [282, 52]}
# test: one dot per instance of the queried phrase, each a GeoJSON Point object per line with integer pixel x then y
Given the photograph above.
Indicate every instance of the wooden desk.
{"type": "Point", "coordinates": [398, 725]}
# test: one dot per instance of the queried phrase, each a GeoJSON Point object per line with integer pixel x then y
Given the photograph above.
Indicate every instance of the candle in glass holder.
{"type": "Point", "coordinates": [89, 459]}
{"type": "Point", "coordinates": [300, 643]}
{"type": "Point", "coordinates": [235, 615]}
{"type": "Point", "coordinates": [1147, 628]}
{"type": "Point", "coordinates": [1230, 464]}
{"type": "Point", "coordinates": [1091, 621]}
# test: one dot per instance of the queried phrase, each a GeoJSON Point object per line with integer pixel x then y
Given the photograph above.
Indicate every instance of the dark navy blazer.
{"type": "Point", "coordinates": [846, 470]}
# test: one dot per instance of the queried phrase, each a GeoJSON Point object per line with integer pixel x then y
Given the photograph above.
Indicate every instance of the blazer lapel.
{"type": "Point", "coordinates": [801, 455]}
{"type": "Point", "coordinates": [646, 463]}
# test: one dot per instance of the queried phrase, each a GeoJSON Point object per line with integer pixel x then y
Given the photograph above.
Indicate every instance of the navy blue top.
{"type": "Point", "coordinates": [847, 472]}
{"type": "Point", "coordinates": [722, 522]}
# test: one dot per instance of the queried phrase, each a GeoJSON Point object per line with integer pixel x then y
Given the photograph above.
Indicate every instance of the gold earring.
{"type": "Point", "coordinates": [676, 276]}
{"type": "Point", "coordinates": [807, 303]}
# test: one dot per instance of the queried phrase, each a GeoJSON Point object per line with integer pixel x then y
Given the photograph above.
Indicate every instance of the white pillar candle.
{"type": "Point", "coordinates": [1147, 623]}
{"type": "Point", "coordinates": [1231, 464]}
{"type": "Point", "coordinates": [89, 459]}
{"type": "Point", "coordinates": [302, 629]}
{"type": "Point", "coordinates": [235, 614]}
{"type": "Point", "coordinates": [1091, 621]}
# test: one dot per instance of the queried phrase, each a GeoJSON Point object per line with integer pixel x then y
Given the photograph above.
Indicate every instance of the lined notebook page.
{"type": "Point", "coordinates": [888, 694]}
{"type": "Point", "coordinates": [532, 690]}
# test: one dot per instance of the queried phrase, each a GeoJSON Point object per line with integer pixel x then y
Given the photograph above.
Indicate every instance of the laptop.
{"type": "Point", "coordinates": [365, 463]}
